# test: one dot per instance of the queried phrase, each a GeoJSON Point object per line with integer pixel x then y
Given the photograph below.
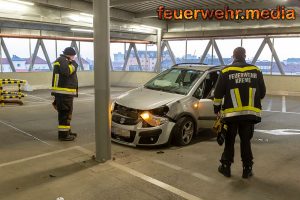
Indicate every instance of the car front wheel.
{"type": "Point", "coordinates": [183, 131]}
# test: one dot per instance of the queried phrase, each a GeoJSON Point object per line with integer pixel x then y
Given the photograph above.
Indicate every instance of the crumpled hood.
{"type": "Point", "coordinates": [146, 99]}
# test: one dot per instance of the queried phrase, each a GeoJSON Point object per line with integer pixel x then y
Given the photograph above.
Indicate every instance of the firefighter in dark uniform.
{"type": "Point", "coordinates": [64, 89]}
{"type": "Point", "coordinates": [239, 90]}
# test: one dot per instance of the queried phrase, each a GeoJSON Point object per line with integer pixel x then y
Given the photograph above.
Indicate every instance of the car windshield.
{"type": "Point", "coordinates": [178, 81]}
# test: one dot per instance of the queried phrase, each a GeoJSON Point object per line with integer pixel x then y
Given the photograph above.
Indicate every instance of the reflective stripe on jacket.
{"type": "Point", "coordinates": [64, 80]}
{"type": "Point", "coordinates": [239, 91]}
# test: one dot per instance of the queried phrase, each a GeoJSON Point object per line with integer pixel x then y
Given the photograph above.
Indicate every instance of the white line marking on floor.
{"type": "Point", "coordinates": [168, 165]}
{"type": "Point", "coordinates": [28, 134]}
{"type": "Point", "coordinates": [38, 156]}
{"type": "Point", "coordinates": [283, 104]}
{"type": "Point", "coordinates": [146, 178]}
{"type": "Point", "coordinates": [90, 95]}
{"type": "Point", "coordinates": [296, 113]}
{"type": "Point", "coordinates": [155, 182]}
{"type": "Point", "coordinates": [280, 131]}
{"type": "Point", "coordinates": [37, 104]}
{"type": "Point", "coordinates": [269, 105]}
{"type": "Point", "coordinates": [115, 95]}
{"type": "Point", "coordinates": [195, 174]}
{"type": "Point", "coordinates": [203, 177]}
{"type": "Point", "coordinates": [40, 98]}
{"type": "Point", "coordinates": [84, 150]}
{"type": "Point", "coordinates": [82, 100]}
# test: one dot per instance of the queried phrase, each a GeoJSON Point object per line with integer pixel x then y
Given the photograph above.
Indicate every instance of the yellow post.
{"type": "Point", "coordinates": [1, 95]}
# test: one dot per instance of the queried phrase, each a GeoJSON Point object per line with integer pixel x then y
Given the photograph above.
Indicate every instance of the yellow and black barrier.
{"type": "Point", "coordinates": [15, 95]}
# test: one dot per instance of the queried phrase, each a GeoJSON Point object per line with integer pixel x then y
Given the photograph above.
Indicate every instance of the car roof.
{"type": "Point", "coordinates": [197, 66]}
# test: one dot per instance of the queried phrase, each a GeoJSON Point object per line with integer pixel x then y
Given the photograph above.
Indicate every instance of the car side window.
{"type": "Point", "coordinates": [206, 89]}
{"type": "Point", "coordinates": [199, 91]}
{"type": "Point", "coordinates": [210, 84]}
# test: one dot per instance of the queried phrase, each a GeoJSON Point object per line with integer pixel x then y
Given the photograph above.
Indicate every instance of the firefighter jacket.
{"type": "Point", "coordinates": [64, 79]}
{"type": "Point", "coordinates": [239, 91]}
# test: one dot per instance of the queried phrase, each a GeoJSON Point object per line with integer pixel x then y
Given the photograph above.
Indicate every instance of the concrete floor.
{"type": "Point", "coordinates": [34, 165]}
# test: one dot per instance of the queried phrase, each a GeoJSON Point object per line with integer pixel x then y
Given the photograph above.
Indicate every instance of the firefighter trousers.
{"type": "Point", "coordinates": [245, 130]}
{"type": "Point", "coordinates": [64, 106]}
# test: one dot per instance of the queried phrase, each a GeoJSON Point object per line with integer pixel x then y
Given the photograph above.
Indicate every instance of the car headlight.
{"type": "Point", "coordinates": [152, 119]}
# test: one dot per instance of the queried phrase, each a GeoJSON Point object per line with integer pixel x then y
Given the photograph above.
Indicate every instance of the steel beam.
{"type": "Point", "coordinates": [55, 48]}
{"type": "Point", "coordinates": [34, 55]}
{"type": "Point", "coordinates": [75, 46]}
{"type": "Point", "coordinates": [163, 46]}
{"type": "Point", "coordinates": [170, 52]}
{"type": "Point", "coordinates": [185, 50]}
{"type": "Point", "coordinates": [146, 55]}
{"type": "Point", "coordinates": [260, 49]}
{"type": "Point", "coordinates": [206, 51]}
{"type": "Point", "coordinates": [11, 64]}
{"type": "Point", "coordinates": [218, 52]}
{"type": "Point", "coordinates": [46, 55]}
{"type": "Point", "coordinates": [127, 57]}
{"type": "Point", "coordinates": [274, 53]}
{"type": "Point", "coordinates": [137, 56]}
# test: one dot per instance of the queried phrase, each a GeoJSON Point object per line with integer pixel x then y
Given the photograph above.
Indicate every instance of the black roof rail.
{"type": "Point", "coordinates": [213, 67]}
{"type": "Point", "coordinates": [218, 66]}
{"type": "Point", "coordinates": [188, 64]}
{"type": "Point", "coordinates": [199, 64]}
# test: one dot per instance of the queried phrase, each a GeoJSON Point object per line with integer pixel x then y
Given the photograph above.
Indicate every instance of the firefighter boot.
{"type": "Point", "coordinates": [65, 136]}
{"type": "Point", "coordinates": [247, 171]}
{"type": "Point", "coordinates": [72, 133]}
{"type": "Point", "coordinates": [225, 169]}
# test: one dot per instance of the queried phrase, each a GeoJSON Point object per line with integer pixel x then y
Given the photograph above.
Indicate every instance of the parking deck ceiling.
{"type": "Point", "coordinates": [148, 8]}
{"type": "Point", "coordinates": [144, 6]}
{"type": "Point", "coordinates": [139, 7]}
{"type": "Point", "coordinates": [126, 15]}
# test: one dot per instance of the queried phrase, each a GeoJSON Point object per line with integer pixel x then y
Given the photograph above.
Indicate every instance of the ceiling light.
{"type": "Point", "coordinates": [151, 27]}
{"type": "Point", "coordinates": [87, 15]}
{"type": "Point", "coordinates": [22, 2]}
{"type": "Point", "coordinates": [10, 6]}
{"type": "Point", "coordinates": [82, 30]}
{"type": "Point", "coordinates": [78, 18]}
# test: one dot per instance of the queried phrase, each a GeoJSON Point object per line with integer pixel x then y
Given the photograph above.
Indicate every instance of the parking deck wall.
{"type": "Point", "coordinates": [276, 85]}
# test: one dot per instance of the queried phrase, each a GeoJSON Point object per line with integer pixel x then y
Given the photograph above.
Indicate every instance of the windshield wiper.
{"type": "Point", "coordinates": [153, 88]}
{"type": "Point", "coordinates": [177, 92]}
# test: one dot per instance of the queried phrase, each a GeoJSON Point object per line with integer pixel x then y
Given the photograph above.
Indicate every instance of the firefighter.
{"type": "Point", "coordinates": [64, 89]}
{"type": "Point", "coordinates": [237, 98]}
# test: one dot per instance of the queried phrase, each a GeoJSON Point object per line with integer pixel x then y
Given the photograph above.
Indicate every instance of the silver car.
{"type": "Point", "coordinates": [172, 106]}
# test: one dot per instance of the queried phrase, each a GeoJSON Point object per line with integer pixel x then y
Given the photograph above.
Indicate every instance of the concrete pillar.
{"type": "Point", "coordinates": [101, 75]}
{"type": "Point", "coordinates": [159, 51]}
{"type": "Point", "coordinates": [1, 66]}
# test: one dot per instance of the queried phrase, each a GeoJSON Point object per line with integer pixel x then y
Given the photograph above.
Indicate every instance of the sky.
{"type": "Point", "coordinates": [285, 47]}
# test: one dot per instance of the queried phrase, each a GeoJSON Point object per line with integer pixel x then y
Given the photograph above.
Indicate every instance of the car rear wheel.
{"type": "Point", "coordinates": [183, 131]}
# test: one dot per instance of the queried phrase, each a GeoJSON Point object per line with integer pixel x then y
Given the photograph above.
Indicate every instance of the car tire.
{"type": "Point", "coordinates": [183, 131]}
